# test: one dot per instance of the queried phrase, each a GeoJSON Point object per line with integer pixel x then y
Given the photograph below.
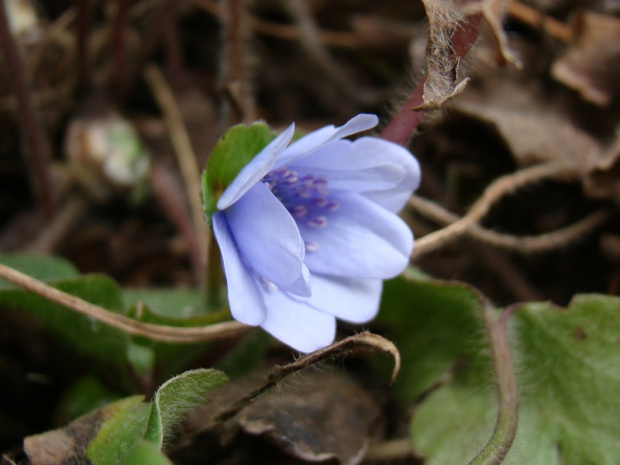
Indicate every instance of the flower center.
{"type": "Point", "coordinates": [306, 198]}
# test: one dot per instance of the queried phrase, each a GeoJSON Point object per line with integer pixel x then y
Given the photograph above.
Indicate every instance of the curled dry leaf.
{"type": "Point", "coordinates": [68, 444]}
{"type": "Point", "coordinates": [325, 416]}
{"type": "Point", "coordinates": [442, 61]}
{"type": "Point", "coordinates": [603, 178]}
{"type": "Point", "coordinates": [316, 416]}
{"type": "Point", "coordinates": [533, 130]}
{"type": "Point", "coordinates": [494, 12]}
{"type": "Point", "coordinates": [591, 65]}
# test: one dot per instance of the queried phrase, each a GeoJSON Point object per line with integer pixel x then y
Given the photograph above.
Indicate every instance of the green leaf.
{"type": "Point", "coordinates": [146, 453]}
{"type": "Point", "coordinates": [169, 303]}
{"type": "Point", "coordinates": [176, 396]}
{"type": "Point", "coordinates": [120, 433]}
{"type": "Point", "coordinates": [83, 396]}
{"type": "Point", "coordinates": [87, 335]}
{"type": "Point", "coordinates": [42, 267]}
{"type": "Point", "coordinates": [566, 367]}
{"type": "Point", "coordinates": [233, 151]}
{"type": "Point", "coordinates": [435, 324]}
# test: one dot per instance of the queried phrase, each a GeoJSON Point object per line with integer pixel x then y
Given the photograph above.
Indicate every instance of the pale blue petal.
{"type": "Point", "coordinates": [316, 139]}
{"type": "Point", "coordinates": [254, 171]}
{"type": "Point", "coordinates": [353, 300]}
{"type": "Point", "coordinates": [397, 171]}
{"type": "Point", "coordinates": [266, 236]}
{"type": "Point", "coordinates": [297, 324]}
{"type": "Point", "coordinates": [361, 240]}
{"type": "Point", "coordinates": [244, 297]}
{"type": "Point", "coordinates": [301, 287]}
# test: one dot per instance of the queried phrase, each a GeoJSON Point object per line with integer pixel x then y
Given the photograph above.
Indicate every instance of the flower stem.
{"type": "Point", "coordinates": [505, 431]}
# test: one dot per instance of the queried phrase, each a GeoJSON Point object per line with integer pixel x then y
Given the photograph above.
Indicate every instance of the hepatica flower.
{"type": "Point", "coordinates": [308, 231]}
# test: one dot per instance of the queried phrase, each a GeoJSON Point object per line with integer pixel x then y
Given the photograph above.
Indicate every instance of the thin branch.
{"type": "Point", "coordinates": [118, 49]}
{"type": "Point", "coordinates": [498, 446]}
{"type": "Point", "coordinates": [33, 134]}
{"type": "Point", "coordinates": [234, 69]}
{"type": "Point", "coordinates": [185, 156]}
{"type": "Point", "coordinates": [151, 331]}
{"type": "Point", "coordinates": [523, 244]}
{"type": "Point", "coordinates": [284, 31]}
{"type": "Point", "coordinates": [528, 15]}
{"type": "Point", "coordinates": [498, 189]}
{"type": "Point", "coordinates": [365, 339]}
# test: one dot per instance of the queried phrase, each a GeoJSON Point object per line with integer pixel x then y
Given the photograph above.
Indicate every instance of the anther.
{"type": "Point", "coordinates": [317, 222]}
{"type": "Point", "coordinates": [311, 246]}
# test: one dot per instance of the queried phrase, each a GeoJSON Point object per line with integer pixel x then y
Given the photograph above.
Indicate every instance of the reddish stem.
{"type": "Point", "coordinates": [406, 120]}
{"type": "Point", "coordinates": [33, 134]}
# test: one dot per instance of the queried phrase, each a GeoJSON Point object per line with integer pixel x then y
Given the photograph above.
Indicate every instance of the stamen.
{"type": "Point", "coordinates": [317, 222]}
{"type": "Point", "coordinates": [311, 246]}
{"type": "Point", "coordinates": [299, 211]}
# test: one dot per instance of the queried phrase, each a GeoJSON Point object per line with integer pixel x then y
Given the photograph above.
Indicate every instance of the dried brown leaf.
{"type": "Point", "coordinates": [603, 178]}
{"type": "Point", "coordinates": [591, 65]}
{"type": "Point", "coordinates": [317, 417]}
{"type": "Point", "coordinates": [66, 445]}
{"type": "Point", "coordinates": [534, 132]}
{"type": "Point", "coordinates": [442, 61]}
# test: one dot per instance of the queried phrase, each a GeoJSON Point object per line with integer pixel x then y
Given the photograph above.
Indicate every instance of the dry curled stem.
{"type": "Point", "coordinates": [185, 155]}
{"type": "Point", "coordinates": [365, 339]}
{"type": "Point", "coordinates": [498, 189]}
{"type": "Point", "coordinates": [523, 244]}
{"type": "Point", "coordinates": [151, 331]}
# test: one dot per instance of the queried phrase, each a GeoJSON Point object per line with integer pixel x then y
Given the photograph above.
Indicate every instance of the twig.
{"type": "Point", "coordinates": [33, 134]}
{"type": "Point", "coordinates": [364, 339]}
{"type": "Point", "coordinates": [53, 235]}
{"type": "Point", "coordinates": [234, 73]}
{"type": "Point", "coordinates": [84, 20]}
{"type": "Point", "coordinates": [151, 331]}
{"type": "Point", "coordinates": [499, 188]}
{"type": "Point", "coordinates": [284, 31]}
{"type": "Point", "coordinates": [170, 195]}
{"type": "Point", "coordinates": [506, 424]}
{"type": "Point", "coordinates": [185, 156]}
{"type": "Point", "coordinates": [388, 451]}
{"type": "Point", "coordinates": [336, 73]}
{"type": "Point", "coordinates": [118, 49]}
{"type": "Point", "coordinates": [523, 244]}
{"type": "Point", "coordinates": [528, 15]}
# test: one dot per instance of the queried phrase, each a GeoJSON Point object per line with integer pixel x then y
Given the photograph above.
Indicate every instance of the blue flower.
{"type": "Point", "coordinates": [308, 231]}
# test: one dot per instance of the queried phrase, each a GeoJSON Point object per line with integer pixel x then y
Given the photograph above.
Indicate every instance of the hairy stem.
{"type": "Point", "coordinates": [496, 449]}
{"type": "Point", "coordinates": [151, 331]}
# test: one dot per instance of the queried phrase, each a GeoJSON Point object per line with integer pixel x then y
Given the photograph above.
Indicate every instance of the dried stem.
{"type": "Point", "coordinates": [151, 331]}
{"type": "Point", "coordinates": [234, 77]}
{"type": "Point", "coordinates": [53, 235]}
{"type": "Point", "coordinates": [309, 35]}
{"type": "Point", "coordinates": [82, 34]}
{"type": "Point", "coordinates": [364, 339]}
{"type": "Point", "coordinates": [33, 134]}
{"type": "Point", "coordinates": [118, 49]}
{"type": "Point", "coordinates": [506, 424]}
{"type": "Point", "coordinates": [185, 156]}
{"type": "Point", "coordinates": [531, 17]}
{"type": "Point", "coordinates": [498, 189]}
{"type": "Point", "coordinates": [284, 31]}
{"type": "Point", "coordinates": [389, 451]}
{"type": "Point", "coordinates": [170, 196]}
{"type": "Point", "coordinates": [523, 244]}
